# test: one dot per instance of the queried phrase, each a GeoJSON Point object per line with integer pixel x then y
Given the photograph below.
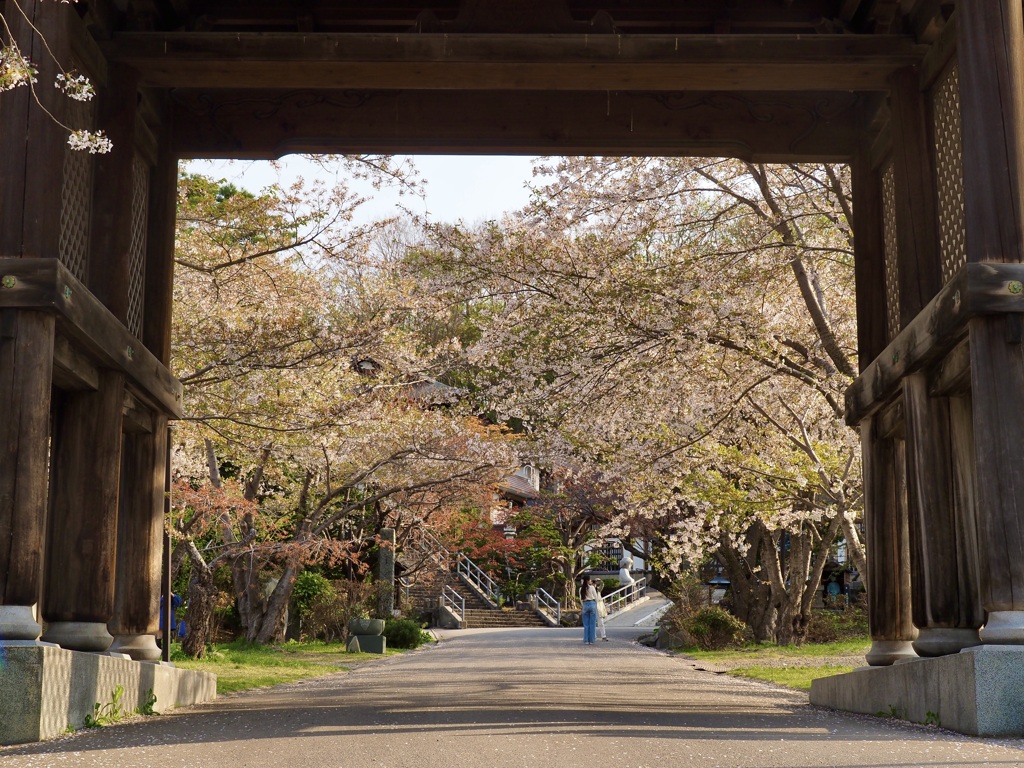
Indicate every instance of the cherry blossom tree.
{"type": "Point", "coordinates": [686, 326]}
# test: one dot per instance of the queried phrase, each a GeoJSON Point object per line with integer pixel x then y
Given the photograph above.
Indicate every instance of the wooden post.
{"type": "Point", "coordinates": [943, 554]}
{"type": "Point", "coordinates": [888, 542]}
{"type": "Point", "coordinates": [945, 620]}
{"type": "Point", "coordinates": [991, 59]}
{"type": "Point", "coordinates": [888, 582]}
{"type": "Point", "coordinates": [82, 535]}
{"type": "Point", "coordinates": [26, 364]}
{"type": "Point", "coordinates": [30, 208]}
{"type": "Point", "coordinates": [140, 538]}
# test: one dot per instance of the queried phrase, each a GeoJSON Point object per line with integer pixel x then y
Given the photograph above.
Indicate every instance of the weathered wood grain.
{"type": "Point", "coordinates": [26, 357]}
{"type": "Point", "coordinates": [140, 526]}
{"type": "Point", "coordinates": [45, 284]}
{"type": "Point", "coordinates": [869, 259]}
{"type": "Point", "coordinates": [515, 62]}
{"type": "Point", "coordinates": [759, 127]}
{"type": "Point", "coordinates": [920, 268]}
{"type": "Point", "coordinates": [978, 289]}
{"type": "Point", "coordinates": [81, 537]}
{"type": "Point", "coordinates": [887, 534]}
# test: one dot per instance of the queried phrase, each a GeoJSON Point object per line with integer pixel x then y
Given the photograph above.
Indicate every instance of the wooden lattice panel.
{"type": "Point", "coordinates": [949, 173]}
{"type": "Point", "coordinates": [892, 282]}
{"type": "Point", "coordinates": [76, 196]}
{"type": "Point", "coordinates": [140, 200]}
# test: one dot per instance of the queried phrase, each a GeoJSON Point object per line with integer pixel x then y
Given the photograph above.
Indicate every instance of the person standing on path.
{"type": "Point", "coordinates": [588, 595]}
{"type": "Point", "coordinates": [602, 609]}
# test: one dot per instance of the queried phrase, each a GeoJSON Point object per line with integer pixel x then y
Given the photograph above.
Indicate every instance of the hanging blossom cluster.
{"type": "Point", "coordinates": [16, 70]}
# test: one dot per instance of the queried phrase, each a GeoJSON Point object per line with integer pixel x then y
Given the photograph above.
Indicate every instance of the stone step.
{"type": "Point", "coordinates": [493, 618]}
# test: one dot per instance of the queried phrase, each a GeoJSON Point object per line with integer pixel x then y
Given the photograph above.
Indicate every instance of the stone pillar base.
{"type": "Point", "coordinates": [977, 691]}
{"type": "Point", "coordinates": [18, 622]}
{"type": "Point", "coordinates": [43, 690]}
{"type": "Point", "coordinates": [79, 635]}
{"type": "Point", "coordinates": [138, 647]}
{"type": "Point", "coordinates": [942, 641]}
{"type": "Point", "coordinates": [886, 652]}
{"type": "Point", "coordinates": [1003, 628]}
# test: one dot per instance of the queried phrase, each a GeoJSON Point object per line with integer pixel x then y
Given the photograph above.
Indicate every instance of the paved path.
{"type": "Point", "coordinates": [503, 698]}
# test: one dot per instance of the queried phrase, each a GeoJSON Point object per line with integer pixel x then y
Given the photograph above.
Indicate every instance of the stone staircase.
{"type": "Point", "coordinates": [491, 618]}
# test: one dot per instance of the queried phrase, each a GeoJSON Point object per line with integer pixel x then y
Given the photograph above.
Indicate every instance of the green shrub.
{"type": "Point", "coordinates": [843, 621]}
{"type": "Point", "coordinates": [310, 588]}
{"type": "Point", "coordinates": [404, 633]}
{"type": "Point", "coordinates": [712, 628]}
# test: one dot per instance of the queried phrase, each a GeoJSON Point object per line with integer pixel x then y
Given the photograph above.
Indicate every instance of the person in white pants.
{"type": "Point", "coordinates": [602, 609]}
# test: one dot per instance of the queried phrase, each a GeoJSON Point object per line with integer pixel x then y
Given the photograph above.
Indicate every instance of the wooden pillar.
{"type": "Point", "coordinates": [26, 364]}
{"type": "Point", "coordinates": [30, 227]}
{"type": "Point", "coordinates": [79, 599]}
{"type": "Point", "coordinates": [144, 455]}
{"type": "Point", "coordinates": [884, 506]}
{"type": "Point", "coordinates": [943, 553]}
{"type": "Point", "coordinates": [140, 529]}
{"type": "Point", "coordinates": [888, 544]}
{"type": "Point", "coordinates": [945, 623]}
{"type": "Point", "coordinates": [82, 535]}
{"type": "Point", "coordinates": [990, 47]}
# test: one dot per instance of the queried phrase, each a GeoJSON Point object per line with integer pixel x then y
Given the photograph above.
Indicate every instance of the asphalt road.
{"type": "Point", "coordinates": [537, 698]}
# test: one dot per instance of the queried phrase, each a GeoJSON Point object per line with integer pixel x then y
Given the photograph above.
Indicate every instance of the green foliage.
{"type": "Point", "coordinates": [713, 627]}
{"type": "Point", "coordinates": [310, 588]}
{"type": "Point", "coordinates": [845, 622]}
{"type": "Point", "coordinates": [148, 706]}
{"type": "Point", "coordinates": [404, 633]}
{"type": "Point", "coordinates": [105, 714]}
{"type": "Point", "coordinates": [792, 677]}
{"type": "Point", "coordinates": [932, 718]}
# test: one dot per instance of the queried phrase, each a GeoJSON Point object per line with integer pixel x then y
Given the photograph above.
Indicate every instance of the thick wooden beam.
{"type": "Point", "coordinates": [110, 263]}
{"type": "Point", "coordinates": [26, 356]}
{"type": "Point", "coordinates": [920, 269]}
{"type": "Point", "coordinates": [515, 62]}
{"type": "Point", "coordinates": [885, 519]}
{"type": "Point", "coordinates": [977, 290]}
{"type": "Point", "coordinates": [158, 289]}
{"type": "Point", "coordinates": [869, 259]}
{"type": "Point", "coordinates": [140, 528]}
{"type": "Point", "coordinates": [991, 60]}
{"type": "Point", "coordinates": [82, 529]}
{"type": "Point", "coordinates": [46, 285]}
{"type": "Point", "coordinates": [756, 126]}
{"type": "Point", "coordinates": [945, 584]}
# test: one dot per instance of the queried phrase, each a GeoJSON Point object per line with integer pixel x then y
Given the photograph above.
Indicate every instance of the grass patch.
{"type": "Point", "coordinates": [793, 666]}
{"type": "Point", "coordinates": [811, 651]}
{"type": "Point", "coordinates": [241, 667]}
{"type": "Point", "coordinates": [792, 677]}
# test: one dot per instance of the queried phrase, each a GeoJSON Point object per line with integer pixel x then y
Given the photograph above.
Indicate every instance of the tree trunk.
{"type": "Point", "coordinates": [274, 619]}
{"type": "Point", "coordinates": [201, 599]}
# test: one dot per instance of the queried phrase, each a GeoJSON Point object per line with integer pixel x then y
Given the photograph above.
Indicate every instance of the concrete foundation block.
{"type": "Point", "coordinates": [46, 689]}
{"type": "Point", "coordinates": [978, 691]}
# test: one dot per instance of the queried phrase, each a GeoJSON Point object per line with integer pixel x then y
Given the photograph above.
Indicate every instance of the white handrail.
{"type": "Point", "coordinates": [617, 600]}
{"type": "Point", "coordinates": [547, 603]}
{"type": "Point", "coordinates": [477, 577]}
{"type": "Point", "coordinates": [455, 601]}
{"type": "Point", "coordinates": [465, 567]}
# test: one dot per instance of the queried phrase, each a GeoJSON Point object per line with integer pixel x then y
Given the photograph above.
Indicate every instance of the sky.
{"type": "Point", "coordinates": [470, 188]}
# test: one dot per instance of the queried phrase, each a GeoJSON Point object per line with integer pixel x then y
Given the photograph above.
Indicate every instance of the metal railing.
{"type": "Point", "coordinates": [478, 578]}
{"type": "Point", "coordinates": [454, 601]}
{"type": "Point", "coordinates": [464, 567]}
{"type": "Point", "coordinates": [549, 605]}
{"type": "Point", "coordinates": [621, 597]}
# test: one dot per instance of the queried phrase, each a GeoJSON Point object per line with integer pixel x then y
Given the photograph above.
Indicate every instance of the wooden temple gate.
{"type": "Point", "coordinates": [925, 99]}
